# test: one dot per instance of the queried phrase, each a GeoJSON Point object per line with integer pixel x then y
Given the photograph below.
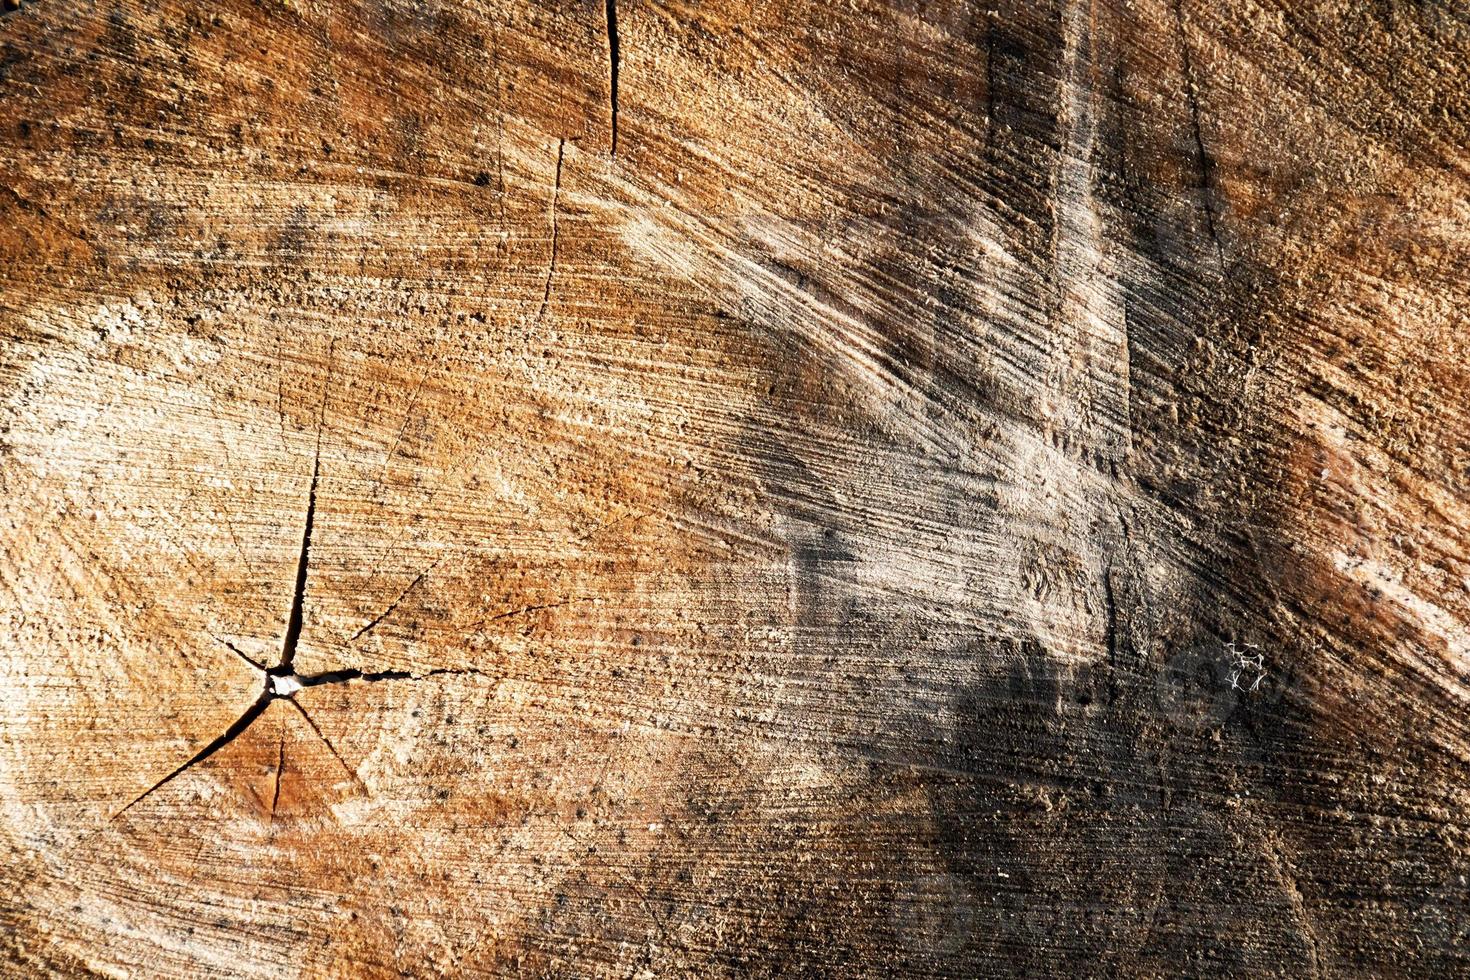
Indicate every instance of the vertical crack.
{"type": "Point", "coordinates": [280, 384]}
{"type": "Point", "coordinates": [296, 620]}
{"type": "Point", "coordinates": [280, 768]}
{"type": "Point", "coordinates": [1110, 602]}
{"type": "Point", "coordinates": [989, 79]}
{"type": "Point", "coordinates": [413, 401]}
{"type": "Point", "coordinates": [614, 61]}
{"type": "Point", "coordinates": [1203, 160]}
{"type": "Point", "coordinates": [561, 148]}
{"type": "Point", "coordinates": [1128, 381]}
{"type": "Point", "coordinates": [499, 127]}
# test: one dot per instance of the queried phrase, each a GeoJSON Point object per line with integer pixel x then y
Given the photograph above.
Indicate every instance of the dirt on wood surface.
{"type": "Point", "coordinates": [654, 488]}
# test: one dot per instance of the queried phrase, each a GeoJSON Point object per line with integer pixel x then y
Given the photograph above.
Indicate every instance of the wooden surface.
{"type": "Point", "coordinates": [734, 488]}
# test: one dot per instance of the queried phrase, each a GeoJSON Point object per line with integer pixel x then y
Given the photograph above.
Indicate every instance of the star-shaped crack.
{"type": "Point", "coordinates": [281, 682]}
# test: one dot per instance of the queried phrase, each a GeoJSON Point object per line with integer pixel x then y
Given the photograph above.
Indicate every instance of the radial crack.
{"type": "Point", "coordinates": [294, 623]}
{"type": "Point", "coordinates": [353, 674]}
{"type": "Point", "coordinates": [241, 724]}
{"type": "Point", "coordinates": [326, 741]}
{"type": "Point", "coordinates": [236, 729]}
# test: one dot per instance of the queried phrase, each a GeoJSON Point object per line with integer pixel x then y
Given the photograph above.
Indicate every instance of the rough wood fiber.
{"type": "Point", "coordinates": [734, 488]}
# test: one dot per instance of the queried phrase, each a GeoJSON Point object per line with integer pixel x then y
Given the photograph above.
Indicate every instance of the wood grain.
{"type": "Point", "coordinates": [647, 488]}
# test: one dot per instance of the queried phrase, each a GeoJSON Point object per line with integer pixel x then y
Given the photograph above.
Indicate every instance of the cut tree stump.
{"type": "Point", "coordinates": [641, 488]}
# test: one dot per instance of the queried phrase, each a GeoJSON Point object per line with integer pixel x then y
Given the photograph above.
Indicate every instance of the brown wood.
{"type": "Point", "coordinates": [734, 488]}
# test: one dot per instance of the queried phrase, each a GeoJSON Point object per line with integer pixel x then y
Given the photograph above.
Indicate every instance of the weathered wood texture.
{"type": "Point", "coordinates": [957, 490]}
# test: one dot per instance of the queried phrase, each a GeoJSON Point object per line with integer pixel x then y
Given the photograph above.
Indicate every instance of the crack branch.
{"type": "Point", "coordinates": [628, 883]}
{"type": "Point", "coordinates": [394, 604]}
{"type": "Point", "coordinates": [607, 525]}
{"type": "Point", "coordinates": [240, 653]}
{"type": "Point", "coordinates": [526, 609]}
{"type": "Point", "coordinates": [407, 417]}
{"type": "Point", "coordinates": [1287, 875]}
